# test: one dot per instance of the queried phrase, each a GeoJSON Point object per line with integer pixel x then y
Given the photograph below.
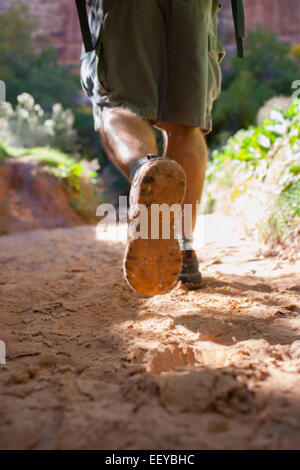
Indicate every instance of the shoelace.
{"type": "Point", "coordinates": [237, 12]}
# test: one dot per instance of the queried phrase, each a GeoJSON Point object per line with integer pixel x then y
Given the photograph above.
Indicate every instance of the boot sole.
{"type": "Point", "coordinates": [152, 266]}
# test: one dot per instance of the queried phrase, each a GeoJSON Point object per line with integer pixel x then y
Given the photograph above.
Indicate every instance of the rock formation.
{"type": "Point", "coordinates": [59, 24]}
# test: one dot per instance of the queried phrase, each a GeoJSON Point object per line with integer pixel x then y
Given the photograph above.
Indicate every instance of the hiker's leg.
{"type": "Point", "coordinates": [126, 138]}
{"type": "Point", "coordinates": [151, 264]}
{"type": "Point", "coordinates": [187, 146]}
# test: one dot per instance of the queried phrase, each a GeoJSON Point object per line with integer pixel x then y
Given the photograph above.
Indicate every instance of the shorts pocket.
{"type": "Point", "coordinates": [215, 46]}
{"type": "Point", "coordinates": [216, 54]}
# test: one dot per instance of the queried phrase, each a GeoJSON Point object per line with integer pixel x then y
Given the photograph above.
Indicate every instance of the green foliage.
{"type": "Point", "coordinates": [281, 103]}
{"type": "Point", "coordinates": [39, 74]}
{"type": "Point", "coordinates": [3, 152]}
{"type": "Point", "coordinates": [266, 70]}
{"type": "Point", "coordinates": [28, 125]}
{"type": "Point", "coordinates": [17, 30]}
{"type": "Point", "coordinates": [270, 155]}
{"type": "Point", "coordinates": [296, 51]}
{"type": "Point", "coordinates": [286, 212]}
{"type": "Point", "coordinates": [78, 178]}
{"type": "Point", "coordinates": [24, 69]}
{"type": "Point", "coordinates": [57, 163]}
{"type": "Point", "coordinates": [47, 80]}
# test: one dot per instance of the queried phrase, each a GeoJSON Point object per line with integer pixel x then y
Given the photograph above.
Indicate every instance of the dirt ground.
{"type": "Point", "coordinates": [90, 364]}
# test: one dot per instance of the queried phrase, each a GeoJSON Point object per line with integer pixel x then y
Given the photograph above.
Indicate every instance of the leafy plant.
{"type": "Point", "coordinates": [267, 70]}
{"type": "Point", "coordinates": [296, 51]}
{"type": "Point", "coordinates": [262, 163]}
{"type": "Point", "coordinates": [79, 179]}
{"type": "Point", "coordinates": [3, 152]}
{"type": "Point", "coordinates": [36, 71]}
{"type": "Point", "coordinates": [58, 163]}
{"type": "Point", "coordinates": [26, 69]}
{"type": "Point", "coordinates": [28, 125]}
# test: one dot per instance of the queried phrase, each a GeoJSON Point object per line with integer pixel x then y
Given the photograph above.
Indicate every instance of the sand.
{"type": "Point", "coordinates": [92, 365]}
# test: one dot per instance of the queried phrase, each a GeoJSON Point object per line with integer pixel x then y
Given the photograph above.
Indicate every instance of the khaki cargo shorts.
{"type": "Point", "coordinates": [159, 58]}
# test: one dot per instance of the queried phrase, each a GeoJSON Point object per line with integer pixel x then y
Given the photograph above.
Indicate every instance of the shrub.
{"type": "Point", "coordinates": [267, 70]}
{"type": "Point", "coordinates": [78, 178]}
{"type": "Point", "coordinates": [281, 103]}
{"type": "Point", "coordinates": [24, 69]}
{"type": "Point", "coordinates": [257, 174]}
{"type": "Point", "coordinates": [296, 51]}
{"type": "Point", "coordinates": [39, 74]}
{"type": "Point", "coordinates": [28, 125]}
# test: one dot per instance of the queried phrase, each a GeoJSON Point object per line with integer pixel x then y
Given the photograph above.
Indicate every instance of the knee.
{"type": "Point", "coordinates": [112, 119]}
{"type": "Point", "coordinates": [178, 130]}
{"type": "Point", "coordinates": [124, 122]}
{"type": "Point", "coordinates": [189, 138]}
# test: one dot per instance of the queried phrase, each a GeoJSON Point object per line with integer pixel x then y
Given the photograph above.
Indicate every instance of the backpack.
{"type": "Point", "coordinates": [237, 12]}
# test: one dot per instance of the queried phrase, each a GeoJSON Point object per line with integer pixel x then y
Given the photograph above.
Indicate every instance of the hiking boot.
{"type": "Point", "coordinates": [152, 266]}
{"type": "Point", "coordinates": [190, 275]}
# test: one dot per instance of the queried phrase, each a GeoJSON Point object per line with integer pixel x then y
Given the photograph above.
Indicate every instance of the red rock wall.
{"type": "Point", "coordinates": [58, 25]}
{"type": "Point", "coordinates": [282, 16]}
{"type": "Point", "coordinates": [60, 28]}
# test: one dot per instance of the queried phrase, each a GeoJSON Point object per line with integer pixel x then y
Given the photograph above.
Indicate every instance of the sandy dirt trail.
{"type": "Point", "coordinates": [90, 364]}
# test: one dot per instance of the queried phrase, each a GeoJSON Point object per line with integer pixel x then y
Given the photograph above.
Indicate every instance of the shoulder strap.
{"type": "Point", "coordinates": [239, 24]}
{"type": "Point", "coordinates": [84, 25]}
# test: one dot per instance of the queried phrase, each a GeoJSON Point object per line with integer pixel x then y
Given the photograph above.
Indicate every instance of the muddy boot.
{"type": "Point", "coordinates": [152, 266]}
{"type": "Point", "coordinates": [190, 275]}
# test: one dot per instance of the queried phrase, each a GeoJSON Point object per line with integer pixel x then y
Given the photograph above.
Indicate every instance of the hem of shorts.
{"type": "Point", "coordinates": [148, 113]}
{"type": "Point", "coordinates": [188, 120]}
{"type": "Point", "coordinates": [151, 113]}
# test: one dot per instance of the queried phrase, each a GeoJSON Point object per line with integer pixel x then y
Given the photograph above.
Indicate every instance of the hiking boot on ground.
{"type": "Point", "coordinates": [190, 275]}
{"type": "Point", "coordinates": [152, 266]}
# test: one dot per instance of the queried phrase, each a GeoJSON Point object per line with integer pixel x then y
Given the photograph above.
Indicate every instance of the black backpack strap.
{"type": "Point", "coordinates": [239, 24]}
{"type": "Point", "coordinates": [84, 25]}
